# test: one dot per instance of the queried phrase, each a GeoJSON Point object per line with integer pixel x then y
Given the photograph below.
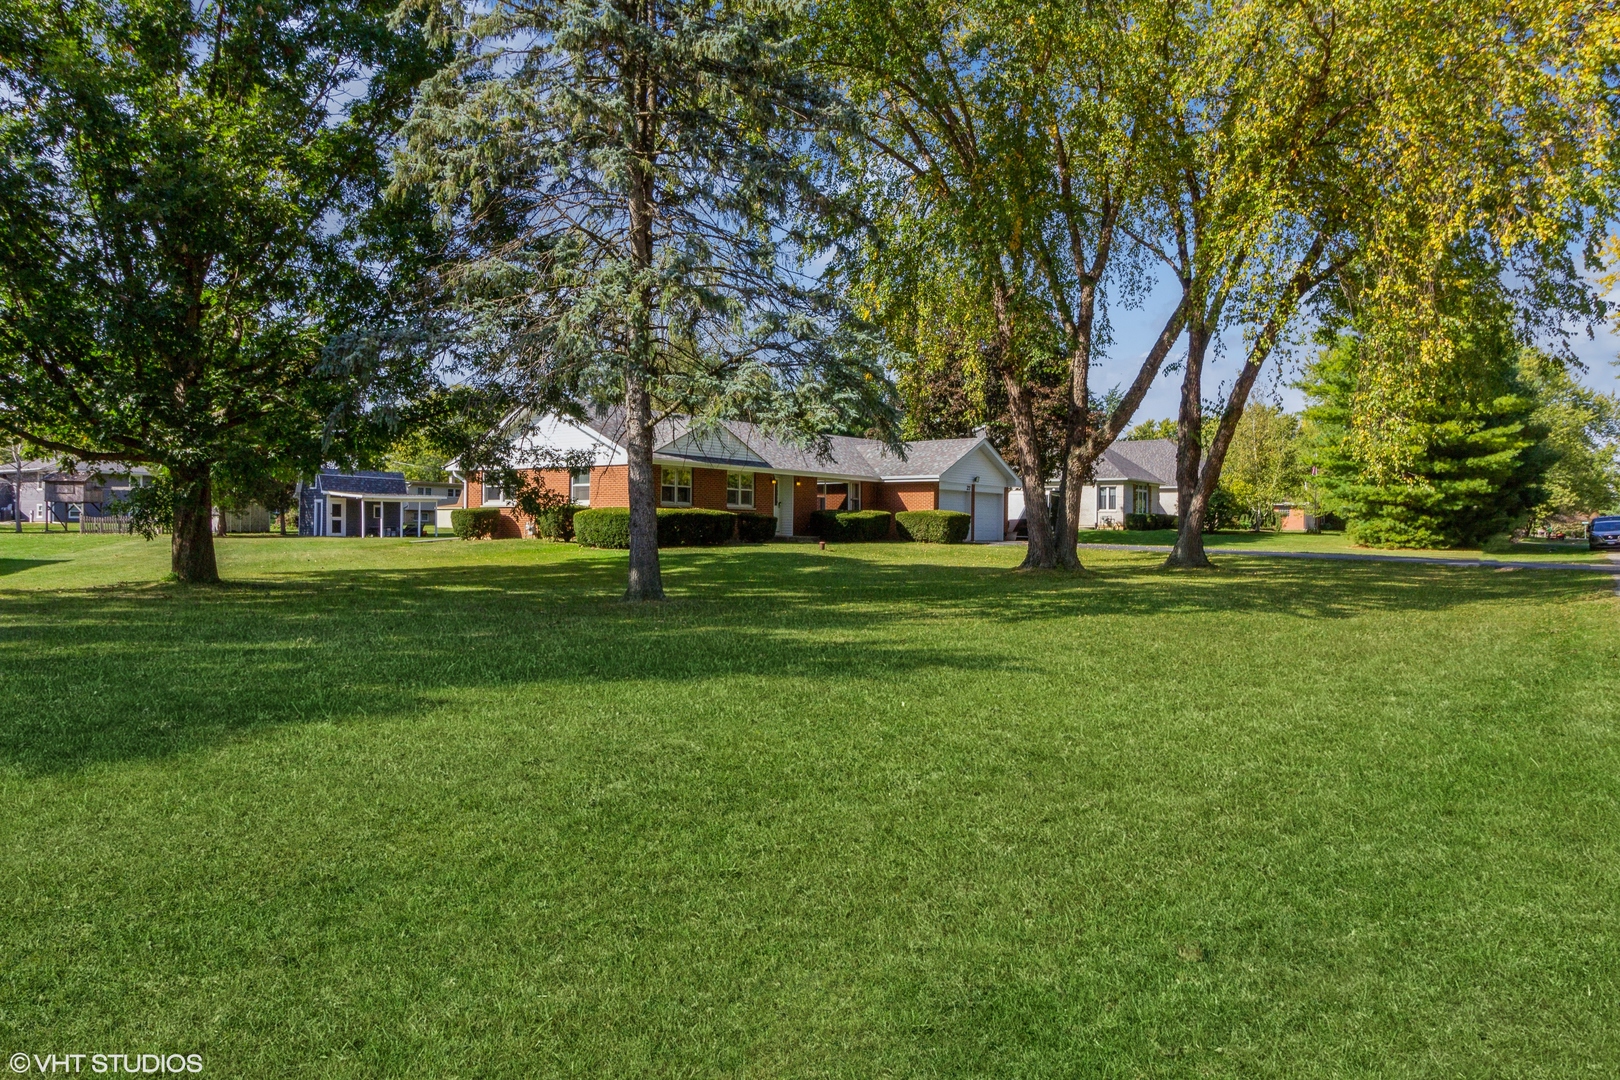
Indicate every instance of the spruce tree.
{"type": "Point", "coordinates": [1461, 461]}
{"type": "Point", "coordinates": [633, 185]}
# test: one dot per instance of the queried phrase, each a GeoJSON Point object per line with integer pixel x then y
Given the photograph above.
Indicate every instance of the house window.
{"type": "Point", "coordinates": [492, 492]}
{"type": "Point", "coordinates": [740, 490]}
{"type": "Point", "coordinates": [854, 496]}
{"type": "Point", "coordinates": [1139, 499]}
{"type": "Point", "coordinates": [677, 487]}
{"type": "Point", "coordinates": [1108, 498]}
{"type": "Point", "coordinates": [579, 487]}
{"type": "Point", "coordinates": [832, 496]}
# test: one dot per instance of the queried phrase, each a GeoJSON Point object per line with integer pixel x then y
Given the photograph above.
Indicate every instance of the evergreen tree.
{"type": "Point", "coordinates": [1465, 459]}
{"type": "Point", "coordinates": [632, 184]}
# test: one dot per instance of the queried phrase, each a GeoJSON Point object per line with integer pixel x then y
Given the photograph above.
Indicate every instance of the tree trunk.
{"type": "Point", "coordinates": [1087, 445]}
{"type": "Point", "coordinates": [191, 553]}
{"type": "Point", "coordinates": [1042, 551]}
{"type": "Point", "coordinates": [646, 580]}
{"type": "Point", "coordinates": [1191, 504]}
{"type": "Point", "coordinates": [282, 517]}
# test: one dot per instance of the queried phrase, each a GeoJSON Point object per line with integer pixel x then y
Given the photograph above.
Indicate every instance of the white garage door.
{"type": "Point", "coordinates": [954, 500]}
{"type": "Point", "coordinates": [988, 526]}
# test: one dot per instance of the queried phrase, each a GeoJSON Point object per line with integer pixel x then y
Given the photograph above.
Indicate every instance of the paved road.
{"type": "Point", "coordinates": [1215, 551]}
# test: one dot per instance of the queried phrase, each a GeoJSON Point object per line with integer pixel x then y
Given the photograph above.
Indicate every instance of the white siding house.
{"type": "Point", "coordinates": [1133, 476]}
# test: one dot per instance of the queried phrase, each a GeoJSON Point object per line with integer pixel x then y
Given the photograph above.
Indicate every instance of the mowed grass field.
{"type": "Point", "coordinates": [376, 808]}
{"type": "Point", "coordinates": [1536, 551]}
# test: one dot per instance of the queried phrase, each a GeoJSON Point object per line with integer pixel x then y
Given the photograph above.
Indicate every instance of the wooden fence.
{"type": "Point", "coordinates": [88, 524]}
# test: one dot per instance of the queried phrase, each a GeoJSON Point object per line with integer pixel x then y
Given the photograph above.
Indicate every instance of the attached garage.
{"type": "Point", "coordinates": [989, 517]}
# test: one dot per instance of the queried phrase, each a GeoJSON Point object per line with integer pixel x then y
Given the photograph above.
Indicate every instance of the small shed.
{"type": "Point", "coordinates": [363, 504]}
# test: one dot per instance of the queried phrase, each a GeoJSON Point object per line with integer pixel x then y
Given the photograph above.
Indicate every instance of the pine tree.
{"type": "Point", "coordinates": [632, 184]}
{"type": "Point", "coordinates": [1462, 461]}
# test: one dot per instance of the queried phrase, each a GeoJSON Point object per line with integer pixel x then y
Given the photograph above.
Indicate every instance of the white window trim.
{"type": "Point", "coordinates": [752, 490]}
{"type": "Point", "coordinates": [677, 485]}
{"type": "Point", "coordinates": [574, 485]}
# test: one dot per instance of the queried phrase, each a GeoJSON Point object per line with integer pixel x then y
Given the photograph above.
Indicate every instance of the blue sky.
{"type": "Point", "coordinates": [1135, 329]}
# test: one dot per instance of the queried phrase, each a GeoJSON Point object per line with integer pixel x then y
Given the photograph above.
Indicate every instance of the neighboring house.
{"type": "Point", "coordinates": [49, 492]}
{"type": "Point", "coordinates": [734, 465]}
{"type": "Point", "coordinates": [363, 504]}
{"type": "Point", "coordinates": [444, 493]}
{"type": "Point", "coordinates": [1134, 476]}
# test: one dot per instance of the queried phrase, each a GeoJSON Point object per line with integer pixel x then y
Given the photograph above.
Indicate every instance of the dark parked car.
{"type": "Point", "coordinates": [1604, 534]}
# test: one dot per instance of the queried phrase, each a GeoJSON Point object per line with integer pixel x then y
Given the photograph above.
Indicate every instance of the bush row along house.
{"type": "Point", "coordinates": [734, 465]}
{"type": "Point", "coordinates": [47, 492]}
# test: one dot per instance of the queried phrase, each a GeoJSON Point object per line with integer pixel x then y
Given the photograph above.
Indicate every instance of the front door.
{"type": "Point", "coordinates": [784, 505]}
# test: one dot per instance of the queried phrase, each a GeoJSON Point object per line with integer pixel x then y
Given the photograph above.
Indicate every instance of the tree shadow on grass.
{"type": "Point", "coordinates": [148, 671]}
{"type": "Point", "coordinates": [14, 566]}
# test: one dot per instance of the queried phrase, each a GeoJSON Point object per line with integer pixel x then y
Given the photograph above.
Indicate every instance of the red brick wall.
{"type": "Point", "coordinates": [709, 488]}
{"type": "Point", "coordinates": [610, 485]}
{"type": "Point", "coordinates": [913, 496]}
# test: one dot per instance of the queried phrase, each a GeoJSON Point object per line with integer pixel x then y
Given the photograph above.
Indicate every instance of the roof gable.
{"type": "Point", "coordinates": [1150, 460]}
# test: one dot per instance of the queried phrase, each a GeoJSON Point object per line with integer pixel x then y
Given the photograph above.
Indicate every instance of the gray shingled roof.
{"type": "Point", "coordinates": [361, 483]}
{"type": "Point", "coordinates": [841, 455]}
{"type": "Point", "coordinates": [1150, 460]}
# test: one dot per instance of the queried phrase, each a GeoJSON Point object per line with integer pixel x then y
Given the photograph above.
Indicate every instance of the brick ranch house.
{"type": "Point", "coordinates": [735, 466]}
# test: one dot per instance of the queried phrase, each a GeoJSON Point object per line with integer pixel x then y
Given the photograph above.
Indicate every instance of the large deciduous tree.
{"type": "Point", "coordinates": [632, 185]}
{"type": "Point", "coordinates": [189, 213]}
{"type": "Point", "coordinates": [1359, 145]}
{"type": "Point", "coordinates": [1004, 164]}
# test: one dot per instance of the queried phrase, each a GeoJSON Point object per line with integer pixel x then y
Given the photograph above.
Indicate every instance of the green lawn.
{"type": "Point", "coordinates": [378, 808]}
{"type": "Point", "coordinates": [1337, 542]}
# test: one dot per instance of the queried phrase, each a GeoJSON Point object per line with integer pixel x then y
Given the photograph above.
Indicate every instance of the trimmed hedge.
{"type": "Point", "coordinates": [603, 527]}
{"type": "Point", "coordinates": [557, 523]}
{"type": "Point", "coordinates": [755, 528]}
{"type": "Point", "coordinates": [692, 527]}
{"type": "Point", "coordinates": [934, 526]}
{"type": "Point", "coordinates": [1147, 522]}
{"type": "Point", "coordinates": [609, 527]}
{"type": "Point", "coordinates": [850, 525]}
{"type": "Point", "coordinates": [476, 523]}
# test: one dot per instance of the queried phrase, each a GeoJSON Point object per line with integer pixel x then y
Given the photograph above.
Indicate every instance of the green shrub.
{"type": "Point", "coordinates": [476, 523]}
{"type": "Point", "coordinates": [755, 528]}
{"type": "Point", "coordinates": [556, 523]}
{"type": "Point", "coordinates": [605, 527]}
{"type": "Point", "coordinates": [850, 526]}
{"type": "Point", "coordinates": [1223, 512]}
{"type": "Point", "coordinates": [934, 526]}
{"type": "Point", "coordinates": [692, 527]}
{"type": "Point", "coordinates": [609, 527]}
{"type": "Point", "coordinates": [1149, 522]}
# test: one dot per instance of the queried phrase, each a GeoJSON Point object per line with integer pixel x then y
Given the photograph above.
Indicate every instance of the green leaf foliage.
{"type": "Point", "coordinates": [933, 526]}
{"type": "Point", "coordinates": [609, 527]}
{"type": "Point", "coordinates": [1473, 457]}
{"type": "Point", "coordinates": [476, 523]}
{"type": "Point", "coordinates": [756, 528]}
{"type": "Point", "coordinates": [850, 525]}
{"type": "Point", "coordinates": [194, 255]}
